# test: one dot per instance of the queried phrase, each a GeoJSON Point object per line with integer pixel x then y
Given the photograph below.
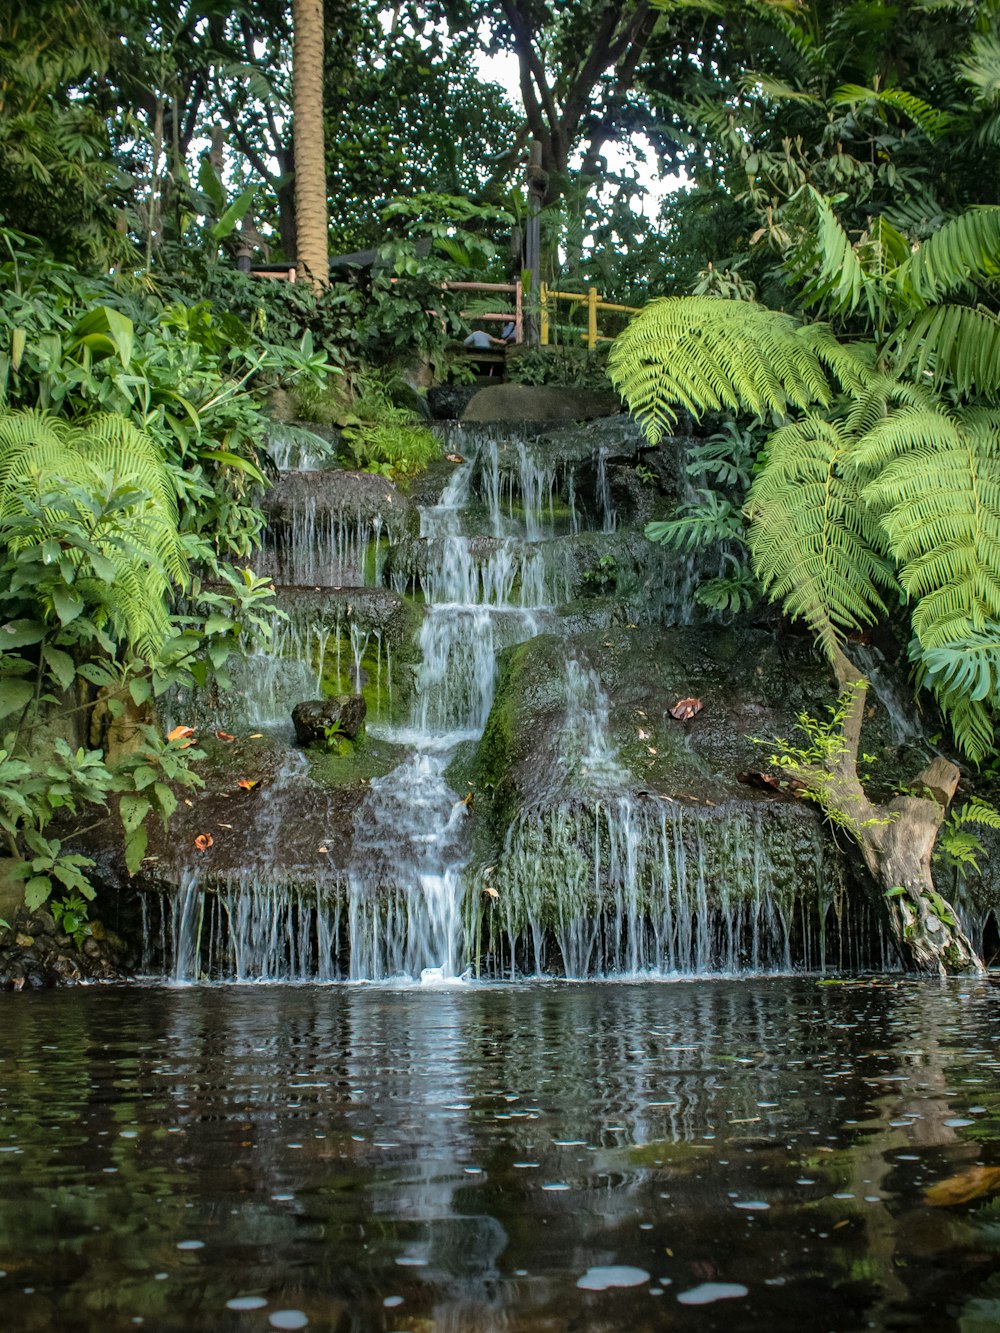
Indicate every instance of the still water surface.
{"type": "Point", "coordinates": [704, 1155]}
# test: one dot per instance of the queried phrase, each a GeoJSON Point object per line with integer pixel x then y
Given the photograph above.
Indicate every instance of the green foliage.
{"type": "Point", "coordinates": [381, 432]}
{"type": "Point", "coordinates": [563, 364]}
{"type": "Point", "coordinates": [602, 578]}
{"type": "Point", "coordinates": [957, 847]}
{"type": "Point", "coordinates": [813, 763]}
{"type": "Point", "coordinates": [715, 520]}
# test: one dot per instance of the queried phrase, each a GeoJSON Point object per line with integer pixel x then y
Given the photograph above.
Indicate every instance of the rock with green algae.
{"type": "Point", "coordinates": [625, 837]}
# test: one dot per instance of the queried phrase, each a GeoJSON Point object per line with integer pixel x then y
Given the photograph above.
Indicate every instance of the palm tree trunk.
{"type": "Point", "coordinates": [310, 161]}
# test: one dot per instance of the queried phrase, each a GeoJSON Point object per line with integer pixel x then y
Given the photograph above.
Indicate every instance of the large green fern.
{"type": "Point", "coordinates": [108, 480]}
{"type": "Point", "coordinates": [706, 354]}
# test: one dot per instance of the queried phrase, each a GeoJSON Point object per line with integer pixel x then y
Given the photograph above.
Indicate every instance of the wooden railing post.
{"type": "Point", "coordinates": [592, 318]}
{"type": "Point", "coordinates": [543, 299]}
{"type": "Point", "coordinates": [518, 312]}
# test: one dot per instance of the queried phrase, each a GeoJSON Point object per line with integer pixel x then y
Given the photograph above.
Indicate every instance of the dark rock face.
{"type": "Point", "coordinates": [528, 402]}
{"type": "Point", "coordinates": [447, 402]}
{"type": "Point", "coordinates": [314, 717]}
{"type": "Point", "coordinates": [34, 954]}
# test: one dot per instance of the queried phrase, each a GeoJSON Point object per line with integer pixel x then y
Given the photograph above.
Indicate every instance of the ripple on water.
{"type": "Point", "coordinates": [288, 1319]}
{"type": "Point", "coordinates": [612, 1275]}
{"type": "Point", "coordinates": [712, 1291]}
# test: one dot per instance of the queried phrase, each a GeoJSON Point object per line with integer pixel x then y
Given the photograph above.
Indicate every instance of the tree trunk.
{"type": "Point", "coordinates": [898, 854]}
{"type": "Point", "coordinates": [310, 162]}
{"type": "Point", "coordinates": [896, 840]}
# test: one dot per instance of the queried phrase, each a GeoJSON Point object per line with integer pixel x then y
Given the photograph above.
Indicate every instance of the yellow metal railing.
{"type": "Point", "coordinates": [593, 303]}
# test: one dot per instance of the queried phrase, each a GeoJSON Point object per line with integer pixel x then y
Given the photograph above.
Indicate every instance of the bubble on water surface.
{"type": "Point", "coordinates": [712, 1291]}
{"type": "Point", "coordinates": [612, 1275]}
{"type": "Point", "coordinates": [288, 1319]}
{"type": "Point", "coordinates": [246, 1303]}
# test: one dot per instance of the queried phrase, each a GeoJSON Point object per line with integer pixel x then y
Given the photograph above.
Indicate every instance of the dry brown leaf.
{"type": "Point", "coordinates": [766, 781]}
{"type": "Point", "coordinates": [324, 849]}
{"type": "Point", "coordinates": [491, 891]}
{"type": "Point", "coordinates": [964, 1187]}
{"type": "Point", "coordinates": [203, 841]}
{"type": "Point", "coordinates": [643, 735]}
{"type": "Point", "coordinates": [454, 458]}
{"type": "Point", "coordinates": [467, 798]}
{"type": "Point", "coordinates": [225, 736]}
{"type": "Point", "coordinates": [225, 826]}
{"type": "Point", "coordinates": [258, 735]}
{"type": "Point", "coordinates": [685, 708]}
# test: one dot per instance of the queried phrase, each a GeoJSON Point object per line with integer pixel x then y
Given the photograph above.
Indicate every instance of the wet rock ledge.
{"type": "Point", "coordinates": [35, 953]}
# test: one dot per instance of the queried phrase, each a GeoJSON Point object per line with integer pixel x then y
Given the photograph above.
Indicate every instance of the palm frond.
{"type": "Point", "coordinates": [966, 250]}
{"type": "Point", "coordinates": [815, 546]}
{"type": "Point", "coordinates": [955, 344]}
{"type": "Point", "coordinates": [706, 354]}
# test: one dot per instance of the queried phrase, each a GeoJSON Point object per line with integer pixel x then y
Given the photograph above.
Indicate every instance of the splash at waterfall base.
{"type": "Point", "coordinates": [522, 803]}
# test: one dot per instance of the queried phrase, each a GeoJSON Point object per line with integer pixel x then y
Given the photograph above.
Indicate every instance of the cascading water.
{"type": "Point", "coordinates": [595, 878]}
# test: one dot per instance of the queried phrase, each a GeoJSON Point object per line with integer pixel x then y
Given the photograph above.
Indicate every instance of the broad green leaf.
{"type": "Point", "coordinates": [135, 849]}
{"type": "Point", "coordinates": [37, 891]}
{"type": "Point", "coordinates": [14, 694]}
{"type": "Point", "coordinates": [133, 810]}
{"type": "Point", "coordinates": [67, 604]}
{"type": "Point", "coordinates": [61, 665]}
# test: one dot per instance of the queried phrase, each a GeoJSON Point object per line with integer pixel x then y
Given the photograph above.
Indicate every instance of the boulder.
{"type": "Point", "coordinates": [314, 717]}
{"type": "Point", "coordinates": [537, 403]}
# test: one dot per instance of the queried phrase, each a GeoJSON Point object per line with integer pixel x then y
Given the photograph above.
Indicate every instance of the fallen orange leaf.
{"type": "Point", "coordinates": [179, 733]}
{"type": "Point", "coordinates": [225, 736]}
{"type": "Point", "coordinates": [248, 784]}
{"type": "Point", "coordinates": [203, 841]}
{"type": "Point", "coordinates": [684, 709]}
{"type": "Point", "coordinates": [964, 1187]}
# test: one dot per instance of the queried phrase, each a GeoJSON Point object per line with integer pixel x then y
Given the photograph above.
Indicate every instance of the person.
{"type": "Point", "coordinates": [482, 340]}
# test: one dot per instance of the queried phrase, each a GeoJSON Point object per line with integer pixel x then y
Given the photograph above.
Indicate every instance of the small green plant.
{"type": "Point", "coordinates": [957, 847]}
{"type": "Point", "coordinates": [71, 915]}
{"type": "Point", "coordinates": [646, 475]}
{"type": "Point", "coordinates": [602, 578]}
{"type": "Point", "coordinates": [813, 765]}
{"type": "Point", "coordinates": [335, 739]}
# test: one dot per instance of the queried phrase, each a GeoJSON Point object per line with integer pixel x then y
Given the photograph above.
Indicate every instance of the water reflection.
{"type": "Point", "coordinates": [561, 1157]}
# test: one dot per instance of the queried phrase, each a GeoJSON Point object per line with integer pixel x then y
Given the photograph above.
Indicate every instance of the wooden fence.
{"type": "Point", "coordinates": [593, 302]}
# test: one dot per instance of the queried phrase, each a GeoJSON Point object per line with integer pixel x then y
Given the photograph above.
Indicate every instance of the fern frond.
{"type": "Point", "coordinates": [828, 265]}
{"type": "Point", "coordinates": [965, 251]}
{"type": "Point", "coordinates": [815, 547]}
{"type": "Point", "coordinates": [706, 354]}
{"type": "Point", "coordinates": [938, 491]}
{"type": "Point", "coordinates": [958, 345]}
{"type": "Point", "coordinates": [108, 478]}
{"type": "Point", "coordinates": [932, 121]}
{"type": "Point", "coordinates": [977, 811]}
{"type": "Point", "coordinates": [981, 67]}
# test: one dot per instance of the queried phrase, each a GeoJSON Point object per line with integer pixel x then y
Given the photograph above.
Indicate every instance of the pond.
{"type": "Point", "coordinates": [712, 1154]}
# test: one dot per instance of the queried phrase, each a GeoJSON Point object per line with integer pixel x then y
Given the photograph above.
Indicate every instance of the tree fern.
{"type": "Point", "coordinates": [815, 546]}
{"type": "Point", "coordinates": [702, 353]}
{"type": "Point", "coordinates": [100, 492]}
{"type": "Point", "coordinates": [938, 492]}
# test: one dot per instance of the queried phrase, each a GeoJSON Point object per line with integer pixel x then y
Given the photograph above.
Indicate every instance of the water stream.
{"type": "Point", "coordinates": [597, 880]}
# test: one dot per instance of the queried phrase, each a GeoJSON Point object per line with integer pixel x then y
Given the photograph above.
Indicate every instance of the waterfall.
{"type": "Point", "coordinates": [594, 878]}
